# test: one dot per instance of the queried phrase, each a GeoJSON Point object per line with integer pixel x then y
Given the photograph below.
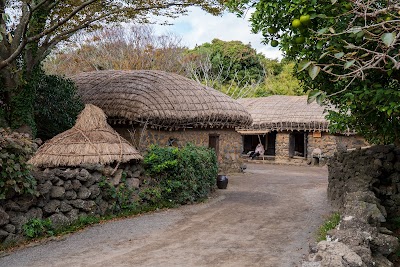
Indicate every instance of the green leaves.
{"type": "Point", "coordinates": [339, 55]}
{"type": "Point", "coordinates": [37, 227]}
{"type": "Point", "coordinates": [317, 96]}
{"type": "Point", "coordinates": [348, 64]}
{"type": "Point", "coordinates": [388, 38]}
{"type": "Point", "coordinates": [15, 174]}
{"type": "Point", "coordinates": [192, 177]}
{"type": "Point", "coordinates": [304, 64]}
{"type": "Point", "coordinates": [313, 71]}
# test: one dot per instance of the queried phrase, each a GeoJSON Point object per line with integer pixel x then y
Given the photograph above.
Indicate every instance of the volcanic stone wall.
{"type": "Point", "coordinates": [364, 185]}
{"type": "Point", "coordinates": [65, 194]}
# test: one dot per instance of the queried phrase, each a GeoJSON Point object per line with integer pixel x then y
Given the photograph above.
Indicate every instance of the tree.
{"type": "Point", "coordinates": [29, 29]}
{"type": "Point", "coordinates": [231, 67]}
{"type": "Point", "coordinates": [280, 82]}
{"type": "Point", "coordinates": [56, 105]}
{"type": "Point", "coordinates": [119, 48]}
{"type": "Point", "coordinates": [347, 55]}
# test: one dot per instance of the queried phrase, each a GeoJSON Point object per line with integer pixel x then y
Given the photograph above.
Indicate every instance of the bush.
{"type": "Point", "coordinates": [56, 105]}
{"type": "Point", "coordinates": [121, 195]}
{"type": "Point", "coordinates": [36, 227]}
{"type": "Point", "coordinates": [183, 175]}
{"type": "Point", "coordinates": [15, 176]}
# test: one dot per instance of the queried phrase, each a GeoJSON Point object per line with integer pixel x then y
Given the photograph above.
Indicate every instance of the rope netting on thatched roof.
{"type": "Point", "coordinates": [279, 113]}
{"type": "Point", "coordinates": [159, 99]}
{"type": "Point", "coordinates": [90, 141]}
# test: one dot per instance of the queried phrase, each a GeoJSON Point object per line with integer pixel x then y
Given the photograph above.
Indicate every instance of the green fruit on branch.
{"type": "Point", "coordinates": [299, 40]}
{"type": "Point", "coordinates": [296, 23]}
{"type": "Point", "coordinates": [305, 19]}
{"type": "Point", "coordinates": [274, 43]}
{"type": "Point", "coordinates": [272, 30]}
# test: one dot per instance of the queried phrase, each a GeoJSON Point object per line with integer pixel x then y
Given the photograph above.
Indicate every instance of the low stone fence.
{"type": "Point", "coordinates": [364, 185]}
{"type": "Point", "coordinates": [65, 194]}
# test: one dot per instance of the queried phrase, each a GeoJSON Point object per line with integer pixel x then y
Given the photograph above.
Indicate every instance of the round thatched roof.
{"type": "Point", "coordinates": [159, 99]}
{"type": "Point", "coordinates": [90, 141]}
{"type": "Point", "coordinates": [278, 113]}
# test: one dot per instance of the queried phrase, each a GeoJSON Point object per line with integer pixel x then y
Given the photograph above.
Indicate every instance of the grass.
{"type": "Point", "coordinates": [332, 221]}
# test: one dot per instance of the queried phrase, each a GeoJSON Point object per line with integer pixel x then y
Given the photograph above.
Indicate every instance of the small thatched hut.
{"type": "Point", "coordinates": [156, 107]}
{"type": "Point", "coordinates": [289, 127]}
{"type": "Point", "coordinates": [91, 141]}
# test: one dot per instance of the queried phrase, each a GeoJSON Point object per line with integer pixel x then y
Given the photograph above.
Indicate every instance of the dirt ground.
{"type": "Point", "coordinates": [266, 217]}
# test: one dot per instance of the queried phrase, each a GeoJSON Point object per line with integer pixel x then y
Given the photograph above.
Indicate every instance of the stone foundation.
{"type": "Point", "coordinates": [364, 185]}
{"type": "Point", "coordinates": [65, 195]}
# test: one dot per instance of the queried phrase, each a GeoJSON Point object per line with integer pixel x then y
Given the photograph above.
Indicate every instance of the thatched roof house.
{"type": "Point", "coordinates": [159, 99]}
{"type": "Point", "coordinates": [280, 113]}
{"type": "Point", "coordinates": [90, 141]}
{"type": "Point", "coordinates": [288, 127]}
{"type": "Point", "coordinates": [156, 107]}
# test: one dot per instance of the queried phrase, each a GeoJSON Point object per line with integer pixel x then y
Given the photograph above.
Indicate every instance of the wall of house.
{"type": "Point", "coordinates": [230, 142]}
{"type": "Point", "coordinates": [328, 144]}
{"type": "Point", "coordinates": [282, 146]}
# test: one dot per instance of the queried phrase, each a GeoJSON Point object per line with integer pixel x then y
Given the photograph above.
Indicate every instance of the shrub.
{"type": "Point", "coordinates": [184, 175]}
{"type": "Point", "coordinates": [121, 194]}
{"type": "Point", "coordinates": [56, 105]}
{"type": "Point", "coordinates": [15, 176]}
{"type": "Point", "coordinates": [37, 227]}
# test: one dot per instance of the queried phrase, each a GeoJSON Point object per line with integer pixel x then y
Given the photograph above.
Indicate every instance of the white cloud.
{"type": "Point", "coordinates": [199, 27]}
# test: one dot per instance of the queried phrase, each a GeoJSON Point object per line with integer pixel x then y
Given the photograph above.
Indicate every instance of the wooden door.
{"type": "Point", "coordinates": [213, 142]}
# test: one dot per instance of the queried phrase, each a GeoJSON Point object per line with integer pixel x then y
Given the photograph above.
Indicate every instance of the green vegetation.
{"type": "Point", "coordinates": [15, 176]}
{"type": "Point", "coordinates": [225, 64]}
{"type": "Point", "coordinates": [35, 228]}
{"type": "Point", "coordinates": [282, 82]}
{"type": "Point", "coordinates": [82, 222]}
{"type": "Point", "coordinates": [56, 104]}
{"type": "Point", "coordinates": [176, 177]}
{"type": "Point", "coordinates": [346, 53]}
{"type": "Point", "coordinates": [121, 195]}
{"type": "Point", "coordinates": [36, 27]}
{"type": "Point", "coordinates": [239, 71]}
{"type": "Point", "coordinates": [329, 224]}
{"type": "Point", "coordinates": [180, 176]}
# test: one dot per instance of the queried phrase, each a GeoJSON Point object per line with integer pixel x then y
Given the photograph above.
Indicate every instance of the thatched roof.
{"type": "Point", "coordinates": [279, 113]}
{"type": "Point", "coordinates": [90, 141]}
{"type": "Point", "coordinates": [159, 99]}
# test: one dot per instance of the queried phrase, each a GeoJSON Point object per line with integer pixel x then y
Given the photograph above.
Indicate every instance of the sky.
{"type": "Point", "coordinates": [199, 27]}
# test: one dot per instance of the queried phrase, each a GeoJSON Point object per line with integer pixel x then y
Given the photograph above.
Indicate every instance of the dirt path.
{"type": "Point", "coordinates": [266, 217]}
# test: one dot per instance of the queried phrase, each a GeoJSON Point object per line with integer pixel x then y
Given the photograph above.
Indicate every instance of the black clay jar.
{"type": "Point", "coordinates": [222, 181]}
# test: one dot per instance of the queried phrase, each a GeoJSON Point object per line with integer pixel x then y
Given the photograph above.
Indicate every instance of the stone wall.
{"type": "Point", "coordinates": [364, 185]}
{"type": "Point", "coordinates": [230, 142]}
{"type": "Point", "coordinates": [282, 145]}
{"type": "Point", "coordinates": [64, 195]}
{"type": "Point", "coordinates": [329, 144]}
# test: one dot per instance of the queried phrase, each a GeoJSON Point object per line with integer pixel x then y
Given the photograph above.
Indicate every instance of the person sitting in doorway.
{"type": "Point", "coordinates": [259, 151]}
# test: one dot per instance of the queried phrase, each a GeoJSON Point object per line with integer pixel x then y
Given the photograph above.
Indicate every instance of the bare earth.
{"type": "Point", "coordinates": [266, 217]}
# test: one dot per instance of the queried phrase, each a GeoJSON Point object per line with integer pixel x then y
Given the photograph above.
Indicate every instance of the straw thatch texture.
{"type": "Point", "coordinates": [159, 99]}
{"type": "Point", "coordinates": [279, 113]}
{"type": "Point", "coordinates": [90, 141]}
